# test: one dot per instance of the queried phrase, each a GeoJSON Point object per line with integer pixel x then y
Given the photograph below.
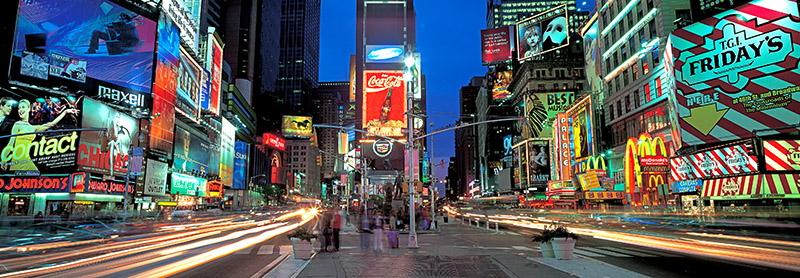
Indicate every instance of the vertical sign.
{"type": "Point", "coordinates": [227, 141]}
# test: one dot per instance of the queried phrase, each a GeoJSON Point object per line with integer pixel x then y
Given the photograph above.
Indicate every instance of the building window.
{"type": "Point", "coordinates": [619, 107]}
{"type": "Point", "coordinates": [537, 74]}
{"type": "Point", "coordinates": [628, 103]}
{"type": "Point", "coordinates": [647, 92]}
{"type": "Point", "coordinates": [541, 87]}
{"type": "Point", "coordinates": [624, 51]}
{"type": "Point", "coordinates": [636, 99]}
{"type": "Point", "coordinates": [645, 68]}
{"type": "Point", "coordinates": [611, 111]}
{"type": "Point", "coordinates": [652, 25]}
{"type": "Point", "coordinates": [555, 86]}
{"type": "Point", "coordinates": [656, 60]}
{"type": "Point", "coordinates": [579, 86]}
{"type": "Point", "coordinates": [564, 86]}
{"type": "Point", "coordinates": [624, 78]}
{"type": "Point", "coordinates": [658, 86]}
{"type": "Point", "coordinates": [635, 69]}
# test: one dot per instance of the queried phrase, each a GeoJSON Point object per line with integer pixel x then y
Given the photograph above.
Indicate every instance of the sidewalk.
{"type": "Point", "coordinates": [456, 251]}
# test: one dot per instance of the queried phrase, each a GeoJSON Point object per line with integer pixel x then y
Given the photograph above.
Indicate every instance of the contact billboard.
{"type": "Point", "coordinates": [191, 152]}
{"type": "Point", "coordinates": [165, 88]}
{"type": "Point", "coordinates": [241, 150]}
{"type": "Point", "coordinates": [34, 154]}
{"type": "Point", "coordinates": [500, 88]}
{"type": "Point", "coordinates": [541, 109]}
{"type": "Point", "coordinates": [543, 32]}
{"type": "Point", "coordinates": [736, 72]}
{"type": "Point", "coordinates": [538, 161]}
{"type": "Point", "coordinates": [496, 45]}
{"type": "Point", "coordinates": [227, 152]}
{"type": "Point", "coordinates": [106, 152]}
{"type": "Point", "coordinates": [95, 46]}
{"type": "Point", "coordinates": [581, 129]}
{"type": "Point", "coordinates": [384, 103]}
{"type": "Point", "coordinates": [297, 126]}
{"type": "Point", "coordinates": [189, 75]}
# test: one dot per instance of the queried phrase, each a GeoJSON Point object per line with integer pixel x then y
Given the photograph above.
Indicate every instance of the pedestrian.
{"type": "Point", "coordinates": [377, 233]}
{"type": "Point", "coordinates": [336, 225]}
{"type": "Point", "coordinates": [393, 220]}
{"type": "Point", "coordinates": [366, 231]}
{"type": "Point", "coordinates": [325, 230]}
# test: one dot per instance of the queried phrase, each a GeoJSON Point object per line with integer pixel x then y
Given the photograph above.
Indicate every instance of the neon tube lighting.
{"type": "Point", "coordinates": [633, 59]}
{"type": "Point", "coordinates": [606, 5]}
{"type": "Point", "coordinates": [619, 16]}
{"type": "Point", "coordinates": [630, 32]}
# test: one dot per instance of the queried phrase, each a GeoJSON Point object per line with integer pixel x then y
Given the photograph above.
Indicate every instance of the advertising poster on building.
{"type": "Point", "coordinates": [179, 13]}
{"type": "Point", "coordinates": [736, 72]}
{"type": "Point", "coordinates": [155, 179]}
{"type": "Point", "coordinates": [564, 147]}
{"type": "Point", "coordinates": [34, 154]}
{"type": "Point", "coordinates": [496, 45]}
{"type": "Point", "coordinates": [101, 48]}
{"type": "Point", "coordinates": [384, 103]}
{"type": "Point", "coordinates": [522, 152]}
{"type": "Point", "coordinates": [541, 110]}
{"type": "Point", "coordinates": [242, 150]}
{"type": "Point", "coordinates": [188, 185]}
{"type": "Point", "coordinates": [500, 88]}
{"type": "Point", "coordinates": [214, 62]}
{"type": "Point", "coordinates": [538, 161]}
{"type": "Point", "coordinates": [720, 162]}
{"type": "Point", "coordinates": [165, 88]}
{"type": "Point", "coordinates": [297, 127]}
{"type": "Point", "coordinates": [191, 152]}
{"type": "Point", "coordinates": [40, 184]}
{"type": "Point", "coordinates": [782, 155]}
{"type": "Point", "coordinates": [592, 57]}
{"type": "Point", "coordinates": [205, 89]}
{"type": "Point", "coordinates": [543, 32]}
{"type": "Point", "coordinates": [189, 73]}
{"type": "Point", "coordinates": [580, 119]}
{"type": "Point", "coordinates": [214, 146]}
{"type": "Point", "coordinates": [106, 152]}
{"type": "Point", "coordinates": [385, 53]}
{"type": "Point", "coordinates": [227, 152]}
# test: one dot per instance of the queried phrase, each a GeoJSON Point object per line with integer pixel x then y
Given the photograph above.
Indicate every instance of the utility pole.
{"type": "Point", "coordinates": [432, 190]}
{"type": "Point", "coordinates": [409, 78]}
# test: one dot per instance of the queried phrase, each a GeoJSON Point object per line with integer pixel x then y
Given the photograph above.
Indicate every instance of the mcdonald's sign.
{"type": "Point", "coordinates": [596, 164]}
{"type": "Point", "coordinates": [645, 155]}
{"type": "Point", "coordinates": [654, 180]}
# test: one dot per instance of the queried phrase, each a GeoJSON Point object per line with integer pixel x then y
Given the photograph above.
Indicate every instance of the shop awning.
{"type": "Point", "coordinates": [782, 185]}
{"type": "Point", "coordinates": [744, 187]}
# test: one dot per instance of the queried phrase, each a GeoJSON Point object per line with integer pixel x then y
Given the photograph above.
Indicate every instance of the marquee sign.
{"type": "Point", "coordinates": [735, 73]}
{"type": "Point", "coordinates": [726, 161]}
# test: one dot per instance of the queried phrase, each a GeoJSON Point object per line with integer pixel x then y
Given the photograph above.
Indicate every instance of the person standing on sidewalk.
{"type": "Point", "coordinates": [377, 233]}
{"type": "Point", "coordinates": [365, 231]}
{"type": "Point", "coordinates": [336, 224]}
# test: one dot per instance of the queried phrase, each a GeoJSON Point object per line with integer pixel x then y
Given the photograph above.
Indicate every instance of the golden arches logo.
{"type": "Point", "coordinates": [596, 163]}
{"type": "Point", "coordinates": [656, 179]}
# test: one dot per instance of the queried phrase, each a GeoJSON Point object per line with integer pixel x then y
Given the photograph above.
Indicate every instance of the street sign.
{"type": "Point", "coordinates": [135, 164]}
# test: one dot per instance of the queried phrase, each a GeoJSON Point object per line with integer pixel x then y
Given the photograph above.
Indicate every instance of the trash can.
{"type": "Point", "coordinates": [394, 239]}
{"type": "Point", "coordinates": [445, 218]}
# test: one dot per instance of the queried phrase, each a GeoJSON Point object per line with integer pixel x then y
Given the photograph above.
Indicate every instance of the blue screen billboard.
{"type": "Point", "coordinates": [191, 152]}
{"type": "Point", "coordinates": [240, 165]}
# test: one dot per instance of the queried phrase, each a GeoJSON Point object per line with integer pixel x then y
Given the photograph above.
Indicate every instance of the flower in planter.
{"type": "Point", "coordinates": [543, 237]}
{"type": "Point", "coordinates": [302, 234]}
{"type": "Point", "coordinates": [563, 232]}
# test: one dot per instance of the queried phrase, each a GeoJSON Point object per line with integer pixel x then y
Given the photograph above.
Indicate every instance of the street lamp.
{"type": "Point", "coordinates": [408, 77]}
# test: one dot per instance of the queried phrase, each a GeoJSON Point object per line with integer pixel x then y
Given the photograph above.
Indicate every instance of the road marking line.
{"type": "Point", "coordinates": [512, 233]}
{"type": "Point", "coordinates": [523, 248]}
{"type": "Point", "coordinates": [586, 253]}
{"type": "Point", "coordinates": [286, 249]}
{"type": "Point", "coordinates": [265, 249]}
{"type": "Point", "coordinates": [604, 252]}
{"type": "Point", "coordinates": [662, 254]}
{"type": "Point", "coordinates": [245, 251]}
{"type": "Point", "coordinates": [629, 252]}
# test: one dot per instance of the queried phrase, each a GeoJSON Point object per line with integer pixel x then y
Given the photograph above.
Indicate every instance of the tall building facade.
{"type": "Point", "coordinates": [507, 12]}
{"type": "Point", "coordinates": [298, 68]}
{"type": "Point", "coordinates": [328, 108]}
{"type": "Point", "coordinates": [303, 175]}
{"type": "Point", "coordinates": [268, 54]}
{"type": "Point", "coordinates": [464, 160]}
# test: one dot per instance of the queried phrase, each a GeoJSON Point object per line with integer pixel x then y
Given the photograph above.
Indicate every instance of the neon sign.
{"type": "Point", "coordinates": [385, 53]}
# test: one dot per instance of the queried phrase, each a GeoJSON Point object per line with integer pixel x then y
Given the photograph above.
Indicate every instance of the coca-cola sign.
{"type": "Point", "coordinates": [384, 103]}
{"type": "Point", "coordinates": [379, 83]}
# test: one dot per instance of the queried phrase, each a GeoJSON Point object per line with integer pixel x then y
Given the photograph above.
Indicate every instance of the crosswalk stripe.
{"type": "Point", "coordinates": [286, 249]}
{"type": "Point", "coordinates": [604, 252]}
{"type": "Point", "coordinates": [653, 252]}
{"type": "Point", "coordinates": [265, 249]}
{"type": "Point", "coordinates": [512, 233]}
{"type": "Point", "coordinates": [629, 252]}
{"type": "Point", "coordinates": [245, 251]}
{"type": "Point", "coordinates": [586, 253]}
{"type": "Point", "coordinates": [523, 248]}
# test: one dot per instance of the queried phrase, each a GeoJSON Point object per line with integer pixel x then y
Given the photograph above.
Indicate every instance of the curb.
{"type": "Point", "coordinates": [287, 265]}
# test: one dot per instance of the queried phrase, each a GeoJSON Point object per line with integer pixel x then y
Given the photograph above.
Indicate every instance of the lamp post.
{"type": "Point", "coordinates": [408, 77]}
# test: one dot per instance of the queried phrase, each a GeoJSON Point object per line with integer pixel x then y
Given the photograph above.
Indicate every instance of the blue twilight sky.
{"type": "Point", "coordinates": [448, 38]}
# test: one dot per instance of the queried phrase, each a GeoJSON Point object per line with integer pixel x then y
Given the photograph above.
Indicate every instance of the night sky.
{"type": "Point", "coordinates": [448, 38]}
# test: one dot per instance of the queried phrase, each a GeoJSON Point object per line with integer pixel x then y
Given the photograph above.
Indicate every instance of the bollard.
{"type": "Point", "coordinates": [496, 230]}
{"type": "Point", "coordinates": [487, 224]}
{"type": "Point", "coordinates": [477, 222]}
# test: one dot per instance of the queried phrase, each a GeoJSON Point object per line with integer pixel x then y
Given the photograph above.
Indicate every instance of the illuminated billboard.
{"type": "Point", "coordinates": [188, 185]}
{"type": "Point", "coordinates": [581, 129]}
{"type": "Point", "coordinates": [591, 57]}
{"type": "Point", "coordinates": [500, 88]}
{"type": "Point", "coordinates": [227, 142]}
{"type": "Point", "coordinates": [782, 155]}
{"type": "Point", "coordinates": [106, 152]}
{"type": "Point", "coordinates": [543, 32]}
{"type": "Point", "coordinates": [737, 72]}
{"type": "Point", "coordinates": [213, 146]}
{"type": "Point", "coordinates": [179, 13]}
{"type": "Point", "coordinates": [191, 152]}
{"type": "Point", "coordinates": [33, 154]}
{"type": "Point", "coordinates": [214, 62]}
{"type": "Point", "coordinates": [165, 88]}
{"type": "Point", "coordinates": [50, 184]}
{"type": "Point", "coordinates": [385, 53]}
{"type": "Point", "coordinates": [541, 109]}
{"type": "Point", "coordinates": [496, 45]}
{"type": "Point", "coordinates": [715, 163]}
{"type": "Point", "coordinates": [274, 141]}
{"type": "Point", "coordinates": [242, 150]}
{"type": "Point", "coordinates": [352, 78]}
{"type": "Point", "coordinates": [384, 103]}
{"type": "Point", "coordinates": [96, 46]}
{"type": "Point", "coordinates": [538, 161]}
{"type": "Point", "coordinates": [297, 126]}
{"type": "Point", "coordinates": [189, 74]}
{"type": "Point", "coordinates": [155, 180]}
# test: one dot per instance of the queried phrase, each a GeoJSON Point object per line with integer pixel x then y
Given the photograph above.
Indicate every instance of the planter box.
{"type": "Point", "coordinates": [547, 249]}
{"type": "Point", "coordinates": [302, 248]}
{"type": "Point", "coordinates": [563, 247]}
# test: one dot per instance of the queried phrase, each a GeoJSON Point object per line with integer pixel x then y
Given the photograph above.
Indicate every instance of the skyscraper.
{"type": "Point", "coordinates": [298, 71]}
{"type": "Point", "coordinates": [328, 107]}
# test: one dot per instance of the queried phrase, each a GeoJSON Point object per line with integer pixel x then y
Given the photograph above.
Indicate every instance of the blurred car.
{"type": "Point", "coordinates": [180, 215]}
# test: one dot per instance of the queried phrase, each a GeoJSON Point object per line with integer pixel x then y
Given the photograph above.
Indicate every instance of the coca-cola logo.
{"type": "Point", "coordinates": [380, 82]}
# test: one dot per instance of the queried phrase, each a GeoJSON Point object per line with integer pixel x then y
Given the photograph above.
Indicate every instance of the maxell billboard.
{"type": "Point", "coordinates": [737, 72]}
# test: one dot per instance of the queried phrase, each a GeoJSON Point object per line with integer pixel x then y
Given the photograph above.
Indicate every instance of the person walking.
{"type": "Point", "coordinates": [365, 231]}
{"type": "Point", "coordinates": [336, 224]}
{"type": "Point", "coordinates": [377, 233]}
